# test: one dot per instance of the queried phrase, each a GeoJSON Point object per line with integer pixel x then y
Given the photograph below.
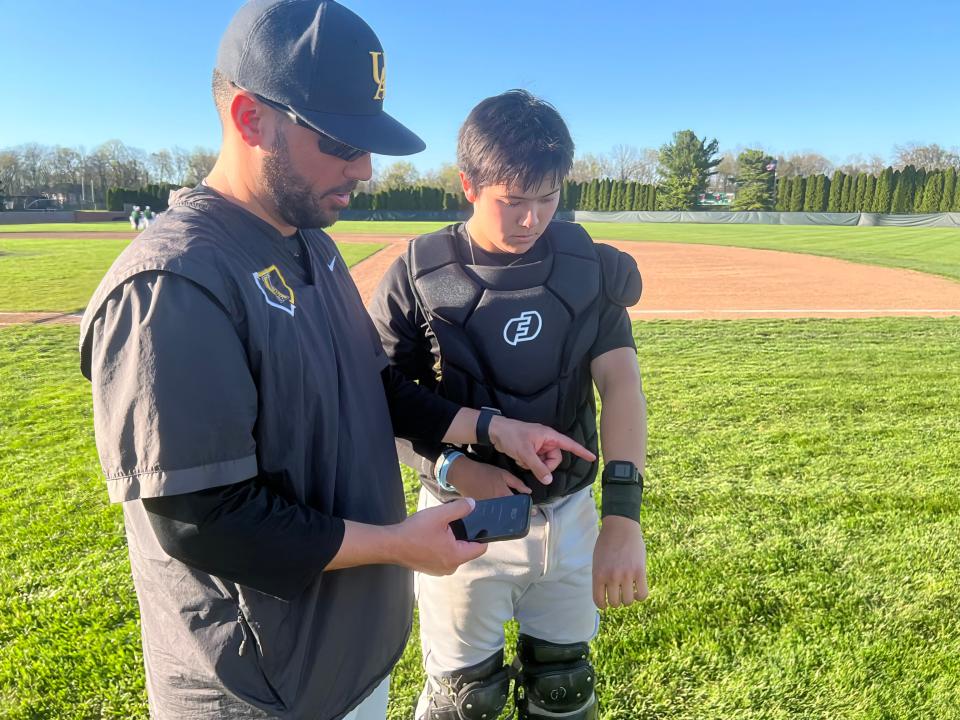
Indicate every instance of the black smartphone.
{"type": "Point", "coordinates": [502, 518]}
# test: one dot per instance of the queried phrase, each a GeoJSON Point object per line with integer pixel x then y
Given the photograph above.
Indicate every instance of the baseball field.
{"type": "Point", "coordinates": [802, 511]}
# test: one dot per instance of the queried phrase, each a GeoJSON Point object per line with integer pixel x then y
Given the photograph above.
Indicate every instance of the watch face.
{"type": "Point", "coordinates": [621, 472]}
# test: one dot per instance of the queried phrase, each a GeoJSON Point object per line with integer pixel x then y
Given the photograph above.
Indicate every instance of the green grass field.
{"type": "Point", "coordinates": [61, 275]}
{"type": "Point", "coordinates": [115, 226]}
{"type": "Point", "coordinates": [802, 511]}
{"type": "Point", "coordinates": [933, 250]}
{"type": "Point", "coordinates": [801, 521]}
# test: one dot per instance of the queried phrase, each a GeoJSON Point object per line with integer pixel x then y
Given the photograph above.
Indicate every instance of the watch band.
{"type": "Point", "coordinates": [622, 490]}
{"type": "Point", "coordinates": [483, 424]}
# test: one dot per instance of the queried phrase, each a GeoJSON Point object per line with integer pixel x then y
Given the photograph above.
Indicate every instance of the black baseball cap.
{"type": "Point", "coordinates": [322, 61]}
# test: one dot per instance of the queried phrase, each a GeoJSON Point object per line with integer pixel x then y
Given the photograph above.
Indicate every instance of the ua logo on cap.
{"type": "Point", "coordinates": [379, 75]}
{"type": "Point", "coordinates": [526, 326]}
{"type": "Point", "coordinates": [275, 289]}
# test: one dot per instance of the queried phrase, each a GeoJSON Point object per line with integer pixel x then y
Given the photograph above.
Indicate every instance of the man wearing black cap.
{"type": "Point", "coordinates": [239, 402]}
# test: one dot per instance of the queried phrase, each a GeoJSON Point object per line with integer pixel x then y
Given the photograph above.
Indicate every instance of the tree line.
{"type": "Point", "coordinates": [81, 177]}
{"type": "Point", "coordinates": [910, 190]}
{"type": "Point", "coordinates": [921, 178]}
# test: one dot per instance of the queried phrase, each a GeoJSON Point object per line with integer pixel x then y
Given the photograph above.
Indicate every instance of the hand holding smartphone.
{"type": "Point", "coordinates": [502, 518]}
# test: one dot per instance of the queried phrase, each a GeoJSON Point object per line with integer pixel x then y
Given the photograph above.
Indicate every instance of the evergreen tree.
{"type": "Point", "coordinates": [933, 192]}
{"type": "Point", "coordinates": [859, 189]}
{"type": "Point", "coordinates": [949, 189]}
{"type": "Point", "coordinates": [820, 201]}
{"type": "Point", "coordinates": [869, 194]}
{"type": "Point", "coordinates": [783, 194]}
{"type": "Point", "coordinates": [956, 198]}
{"type": "Point", "coordinates": [883, 197]}
{"type": "Point", "coordinates": [900, 203]}
{"type": "Point", "coordinates": [810, 196]}
{"type": "Point", "coordinates": [619, 195]}
{"type": "Point", "coordinates": [687, 164]}
{"type": "Point", "coordinates": [593, 195]}
{"type": "Point", "coordinates": [846, 194]}
{"type": "Point", "coordinates": [797, 188]}
{"type": "Point", "coordinates": [836, 187]}
{"type": "Point", "coordinates": [603, 200]}
{"type": "Point", "coordinates": [919, 185]}
{"type": "Point", "coordinates": [755, 189]}
{"type": "Point", "coordinates": [631, 196]}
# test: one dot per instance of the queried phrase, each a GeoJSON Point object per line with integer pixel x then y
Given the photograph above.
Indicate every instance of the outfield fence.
{"type": "Point", "coordinates": [946, 219]}
{"type": "Point", "coordinates": [949, 219]}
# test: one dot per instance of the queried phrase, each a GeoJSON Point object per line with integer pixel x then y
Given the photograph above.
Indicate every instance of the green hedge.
{"type": "Point", "coordinates": [892, 191]}
{"type": "Point", "coordinates": [155, 195]}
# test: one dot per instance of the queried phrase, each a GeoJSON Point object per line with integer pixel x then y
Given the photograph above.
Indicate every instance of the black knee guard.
{"type": "Point", "coordinates": [478, 692]}
{"type": "Point", "coordinates": [555, 681]}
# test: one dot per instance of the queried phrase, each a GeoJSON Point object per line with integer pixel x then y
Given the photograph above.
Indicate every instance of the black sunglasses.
{"type": "Point", "coordinates": [327, 144]}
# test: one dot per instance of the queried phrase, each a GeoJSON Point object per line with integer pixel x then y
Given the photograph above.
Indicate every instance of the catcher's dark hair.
{"type": "Point", "coordinates": [515, 139]}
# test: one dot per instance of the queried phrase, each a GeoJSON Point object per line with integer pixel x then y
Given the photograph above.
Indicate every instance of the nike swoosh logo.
{"type": "Point", "coordinates": [332, 263]}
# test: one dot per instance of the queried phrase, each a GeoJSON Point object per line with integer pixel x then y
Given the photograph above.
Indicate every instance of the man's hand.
{"type": "Point", "coordinates": [425, 542]}
{"type": "Point", "coordinates": [481, 481]}
{"type": "Point", "coordinates": [536, 448]}
{"type": "Point", "coordinates": [619, 563]}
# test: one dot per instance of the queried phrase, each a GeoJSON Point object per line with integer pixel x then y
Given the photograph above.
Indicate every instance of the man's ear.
{"type": "Point", "coordinates": [469, 191]}
{"type": "Point", "coordinates": [247, 116]}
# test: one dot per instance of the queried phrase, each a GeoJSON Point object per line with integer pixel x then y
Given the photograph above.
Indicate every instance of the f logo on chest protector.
{"type": "Point", "coordinates": [526, 326]}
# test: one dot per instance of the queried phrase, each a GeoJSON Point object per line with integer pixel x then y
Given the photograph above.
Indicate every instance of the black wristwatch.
{"type": "Point", "coordinates": [483, 424]}
{"type": "Point", "coordinates": [622, 489]}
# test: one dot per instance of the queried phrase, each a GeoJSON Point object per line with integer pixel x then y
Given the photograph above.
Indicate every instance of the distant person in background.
{"type": "Point", "coordinates": [135, 216]}
{"type": "Point", "coordinates": [147, 217]}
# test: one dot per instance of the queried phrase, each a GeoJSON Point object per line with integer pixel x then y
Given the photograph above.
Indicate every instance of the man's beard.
{"type": "Point", "coordinates": [292, 195]}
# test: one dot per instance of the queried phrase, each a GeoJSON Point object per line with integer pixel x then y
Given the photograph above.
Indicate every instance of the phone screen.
{"type": "Point", "coordinates": [503, 518]}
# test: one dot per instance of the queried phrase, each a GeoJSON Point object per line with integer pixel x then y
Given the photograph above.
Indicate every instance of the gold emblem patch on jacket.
{"type": "Point", "coordinates": [275, 289]}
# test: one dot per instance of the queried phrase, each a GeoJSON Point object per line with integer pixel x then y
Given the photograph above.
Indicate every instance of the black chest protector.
{"type": "Point", "coordinates": [518, 338]}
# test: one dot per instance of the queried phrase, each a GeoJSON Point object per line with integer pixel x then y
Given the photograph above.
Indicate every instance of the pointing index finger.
{"type": "Point", "coordinates": [570, 445]}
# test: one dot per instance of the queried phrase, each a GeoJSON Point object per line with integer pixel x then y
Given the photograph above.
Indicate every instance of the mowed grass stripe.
{"type": "Point", "coordinates": [61, 275]}
{"type": "Point", "coordinates": [115, 226]}
{"type": "Point", "coordinates": [933, 250]}
{"type": "Point", "coordinates": [801, 517]}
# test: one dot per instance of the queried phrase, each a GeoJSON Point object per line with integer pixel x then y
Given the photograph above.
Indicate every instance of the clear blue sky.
{"type": "Point", "coordinates": [833, 77]}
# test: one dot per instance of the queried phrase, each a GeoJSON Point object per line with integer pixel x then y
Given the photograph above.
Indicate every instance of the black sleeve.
{"type": "Point", "coordinates": [403, 332]}
{"type": "Point", "coordinates": [417, 414]}
{"type": "Point", "coordinates": [401, 326]}
{"type": "Point", "coordinates": [247, 534]}
{"type": "Point", "coordinates": [615, 331]}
